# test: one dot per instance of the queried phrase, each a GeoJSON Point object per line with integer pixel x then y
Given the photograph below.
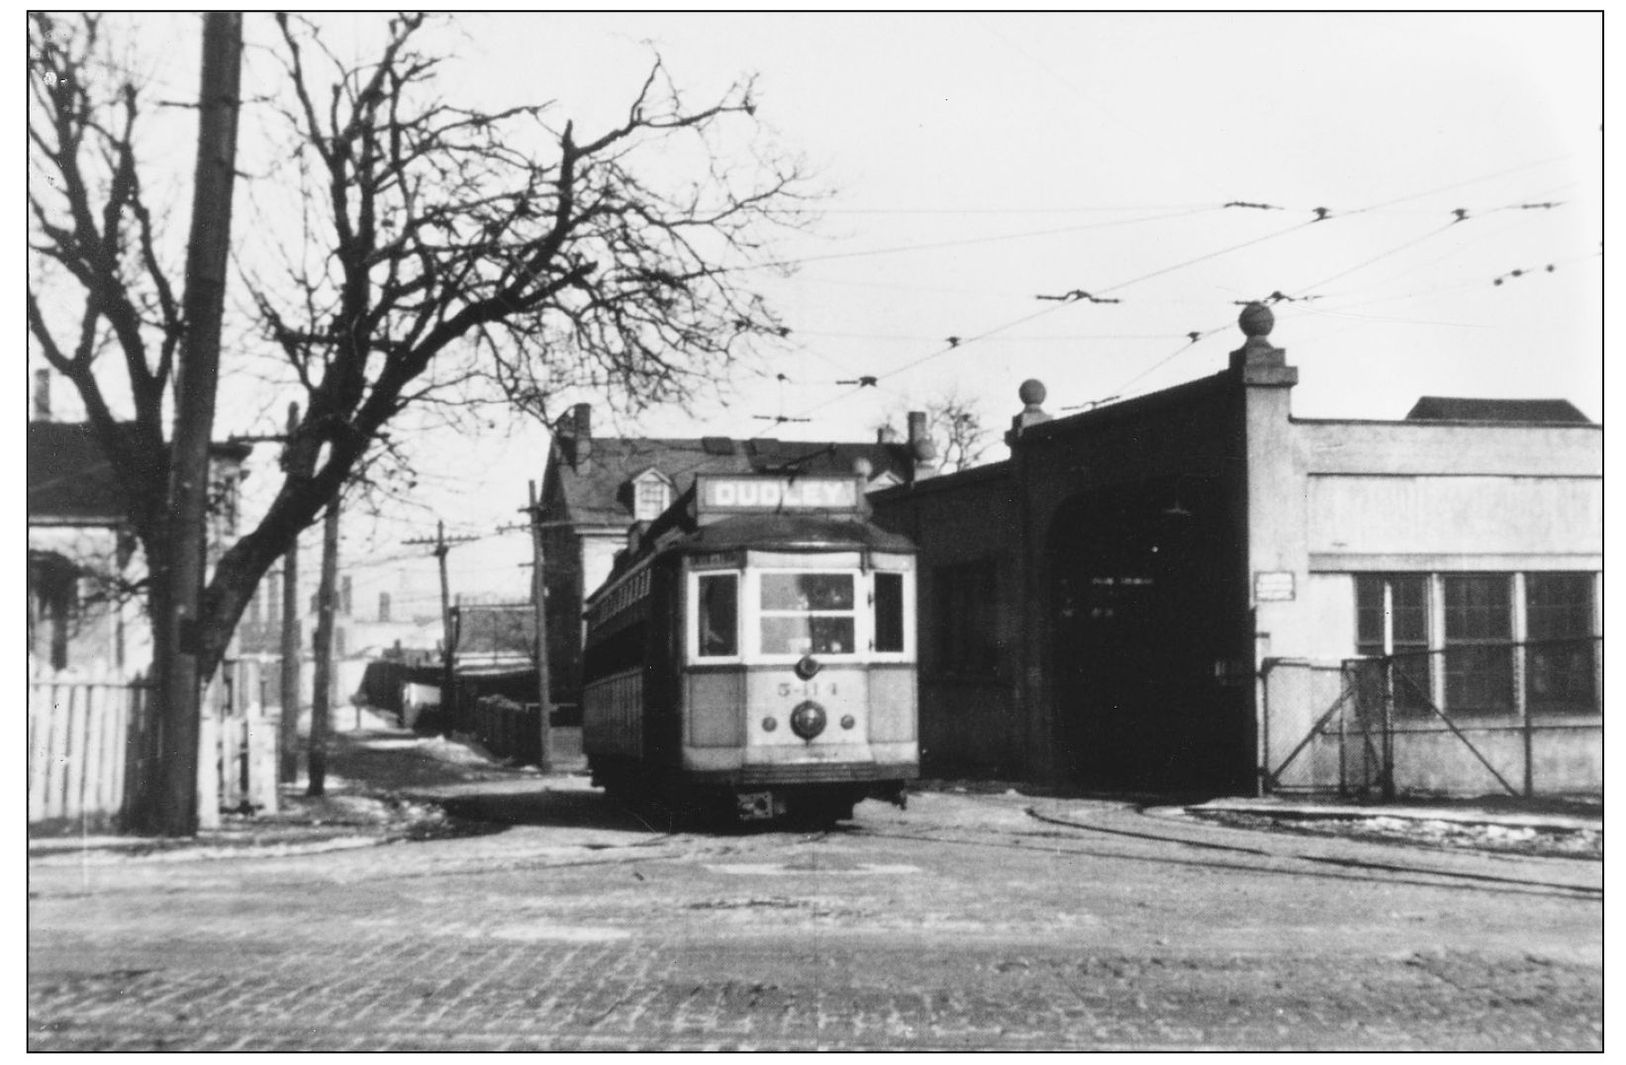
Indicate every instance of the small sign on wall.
{"type": "Point", "coordinates": [1273, 586]}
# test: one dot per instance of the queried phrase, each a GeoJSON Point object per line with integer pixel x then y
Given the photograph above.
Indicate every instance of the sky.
{"type": "Point", "coordinates": [1425, 192]}
{"type": "Point", "coordinates": [981, 161]}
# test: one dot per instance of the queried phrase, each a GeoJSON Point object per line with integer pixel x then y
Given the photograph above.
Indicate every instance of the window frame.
{"type": "Point", "coordinates": [1410, 649]}
{"type": "Point", "coordinates": [691, 616]}
{"type": "Point", "coordinates": [875, 613]}
{"type": "Point", "coordinates": [1518, 640]}
{"type": "Point", "coordinates": [760, 613]}
{"type": "Point", "coordinates": [650, 480]}
{"type": "Point", "coordinates": [1584, 609]}
{"type": "Point", "coordinates": [749, 613]}
{"type": "Point", "coordinates": [1496, 649]}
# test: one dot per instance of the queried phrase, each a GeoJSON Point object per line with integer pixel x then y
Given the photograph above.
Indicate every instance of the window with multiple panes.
{"type": "Point", "coordinates": [1478, 655]}
{"type": "Point", "coordinates": [1470, 631]}
{"type": "Point", "coordinates": [808, 613]}
{"type": "Point", "coordinates": [1560, 671]}
{"type": "Point", "coordinates": [1408, 607]}
{"type": "Point", "coordinates": [651, 494]}
{"type": "Point", "coordinates": [798, 613]}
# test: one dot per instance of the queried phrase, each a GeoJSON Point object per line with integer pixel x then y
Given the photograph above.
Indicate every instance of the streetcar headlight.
{"type": "Point", "coordinates": [847, 721]}
{"type": "Point", "coordinates": [769, 724]}
{"type": "Point", "coordinates": [807, 720]}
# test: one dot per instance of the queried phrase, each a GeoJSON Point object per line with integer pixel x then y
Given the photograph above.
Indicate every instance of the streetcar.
{"type": "Point", "coordinates": [752, 654]}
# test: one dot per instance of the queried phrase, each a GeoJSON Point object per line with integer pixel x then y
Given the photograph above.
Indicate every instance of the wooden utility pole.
{"type": "Point", "coordinates": [321, 689]}
{"type": "Point", "coordinates": [288, 731]}
{"type": "Point", "coordinates": [197, 374]}
{"type": "Point", "coordinates": [539, 590]}
{"type": "Point", "coordinates": [442, 547]}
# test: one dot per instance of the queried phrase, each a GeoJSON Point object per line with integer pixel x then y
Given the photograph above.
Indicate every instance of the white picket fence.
{"type": "Point", "coordinates": [82, 748]}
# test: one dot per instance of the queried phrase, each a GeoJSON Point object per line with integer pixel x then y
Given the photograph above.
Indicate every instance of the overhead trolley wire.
{"type": "Point", "coordinates": [968, 241]}
{"type": "Point", "coordinates": [1320, 214]}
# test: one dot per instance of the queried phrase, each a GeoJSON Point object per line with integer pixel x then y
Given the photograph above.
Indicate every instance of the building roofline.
{"type": "Point", "coordinates": [944, 481]}
{"type": "Point", "coordinates": [1426, 423]}
{"type": "Point", "coordinates": [1133, 407]}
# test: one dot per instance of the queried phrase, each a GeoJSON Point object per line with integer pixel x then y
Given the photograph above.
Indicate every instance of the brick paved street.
{"type": "Point", "coordinates": [404, 994]}
{"type": "Point", "coordinates": [975, 939]}
{"type": "Point", "coordinates": [965, 922]}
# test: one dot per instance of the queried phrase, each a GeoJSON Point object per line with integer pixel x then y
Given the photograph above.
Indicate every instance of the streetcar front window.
{"type": "Point", "coordinates": [889, 612]}
{"type": "Point", "coordinates": [808, 613]}
{"type": "Point", "coordinates": [719, 615]}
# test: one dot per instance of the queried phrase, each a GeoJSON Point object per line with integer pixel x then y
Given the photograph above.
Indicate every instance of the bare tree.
{"type": "Point", "coordinates": [443, 254]}
{"type": "Point", "coordinates": [171, 477]}
{"type": "Point", "coordinates": [955, 424]}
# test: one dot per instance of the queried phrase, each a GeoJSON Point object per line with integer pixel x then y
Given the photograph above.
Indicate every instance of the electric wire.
{"type": "Point", "coordinates": [965, 242]}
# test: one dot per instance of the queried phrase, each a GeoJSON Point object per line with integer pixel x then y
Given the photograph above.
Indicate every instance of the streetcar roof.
{"type": "Point", "coordinates": [758, 532]}
{"type": "Point", "coordinates": [781, 532]}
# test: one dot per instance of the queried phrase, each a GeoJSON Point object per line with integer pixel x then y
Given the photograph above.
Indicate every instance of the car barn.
{"type": "Point", "coordinates": [1194, 590]}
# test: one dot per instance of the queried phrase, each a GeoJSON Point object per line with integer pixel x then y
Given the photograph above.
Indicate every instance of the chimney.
{"type": "Point", "coordinates": [582, 415]}
{"type": "Point", "coordinates": [42, 395]}
{"type": "Point", "coordinates": [886, 435]}
{"type": "Point", "coordinates": [921, 451]}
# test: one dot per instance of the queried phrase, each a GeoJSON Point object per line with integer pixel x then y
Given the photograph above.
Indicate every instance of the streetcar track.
{"type": "Point", "coordinates": [1417, 877]}
{"type": "Point", "coordinates": [1349, 863]}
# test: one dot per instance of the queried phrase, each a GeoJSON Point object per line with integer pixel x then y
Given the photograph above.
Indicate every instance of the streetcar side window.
{"type": "Point", "coordinates": [808, 613]}
{"type": "Point", "coordinates": [888, 612]}
{"type": "Point", "coordinates": [719, 612]}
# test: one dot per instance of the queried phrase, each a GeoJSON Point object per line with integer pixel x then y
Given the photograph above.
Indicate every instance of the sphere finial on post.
{"type": "Point", "coordinates": [1256, 320]}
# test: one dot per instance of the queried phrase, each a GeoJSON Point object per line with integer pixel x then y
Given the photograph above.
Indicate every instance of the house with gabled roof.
{"type": "Point", "coordinates": [595, 490]}
{"type": "Point", "coordinates": [84, 618]}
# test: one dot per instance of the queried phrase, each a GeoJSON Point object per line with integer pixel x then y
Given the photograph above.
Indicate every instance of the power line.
{"type": "Point", "coordinates": [1098, 209]}
{"type": "Point", "coordinates": [1320, 214]}
{"type": "Point", "coordinates": [1379, 257]}
{"type": "Point", "coordinates": [1212, 255]}
{"type": "Point", "coordinates": [969, 241]}
{"type": "Point", "coordinates": [1461, 184]}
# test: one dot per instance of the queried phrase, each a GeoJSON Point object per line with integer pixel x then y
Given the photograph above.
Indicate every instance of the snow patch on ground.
{"type": "Point", "coordinates": [1586, 843]}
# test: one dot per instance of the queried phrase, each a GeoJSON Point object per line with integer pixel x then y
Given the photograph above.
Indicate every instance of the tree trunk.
{"type": "Point", "coordinates": [144, 781]}
{"type": "Point", "coordinates": [322, 690]}
{"type": "Point", "coordinates": [169, 798]}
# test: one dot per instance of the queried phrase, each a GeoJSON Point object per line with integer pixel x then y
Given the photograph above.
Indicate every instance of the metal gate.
{"type": "Point", "coordinates": [1373, 726]}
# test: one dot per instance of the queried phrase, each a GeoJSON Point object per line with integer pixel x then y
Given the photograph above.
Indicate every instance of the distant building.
{"type": "Point", "coordinates": [1161, 593]}
{"type": "Point", "coordinates": [495, 638]}
{"type": "Point", "coordinates": [378, 613]}
{"type": "Point", "coordinates": [1452, 409]}
{"type": "Point", "coordinates": [595, 489]}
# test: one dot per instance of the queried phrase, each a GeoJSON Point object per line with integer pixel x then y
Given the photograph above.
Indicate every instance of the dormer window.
{"type": "Point", "coordinates": [651, 494]}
